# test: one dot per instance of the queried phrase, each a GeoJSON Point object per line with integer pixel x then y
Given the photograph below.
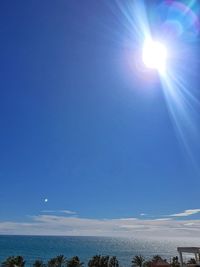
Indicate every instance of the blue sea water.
{"type": "Point", "coordinates": [46, 247]}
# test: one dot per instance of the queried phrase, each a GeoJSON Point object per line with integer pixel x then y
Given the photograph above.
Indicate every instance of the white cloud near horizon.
{"type": "Point", "coordinates": [130, 227]}
{"type": "Point", "coordinates": [185, 213]}
{"type": "Point", "coordinates": [127, 219]}
{"type": "Point", "coordinates": [69, 212]}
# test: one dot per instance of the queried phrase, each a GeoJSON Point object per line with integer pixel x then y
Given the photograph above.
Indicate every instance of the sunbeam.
{"type": "Point", "coordinates": [168, 34]}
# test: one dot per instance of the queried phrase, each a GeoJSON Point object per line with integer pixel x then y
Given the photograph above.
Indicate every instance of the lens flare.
{"type": "Point", "coordinates": [166, 34]}
{"type": "Point", "coordinates": [154, 55]}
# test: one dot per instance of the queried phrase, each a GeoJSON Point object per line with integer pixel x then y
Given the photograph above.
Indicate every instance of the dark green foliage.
{"type": "Point", "coordinates": [175, 262]}
{"type": "Point", "coordinates": [138, 261]}
{"type": "Point", "coordinates": [38, 263]}
{"type": "Point", "coordinates": [13, 262]}
{"type": "Point", "coordinates": [158, 258]}
{"type": "Point", "coordinates": [103, 261]}
{"type": "Point", "coordinates": [58, 261]}
{"type": "Point", "coordinates": [113, 262]}
{"type": "Point", "coordinates": [52, 262]}
{"type": "Point", "coordinates": [95, 261]}
{"type": "Point", "coordinates": [154, 260]}
{"type": "Point", "coordinates": [61, 260]}
{"type": "Point", "coordinates": [74, 262]}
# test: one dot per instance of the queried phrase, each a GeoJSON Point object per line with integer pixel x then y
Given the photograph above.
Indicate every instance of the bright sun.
{"type": "Point", "coordinates": [154, 55]}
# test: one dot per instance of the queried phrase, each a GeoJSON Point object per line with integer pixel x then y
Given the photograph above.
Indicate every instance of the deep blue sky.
{"type": "Point", "coordinates": [77, 125]}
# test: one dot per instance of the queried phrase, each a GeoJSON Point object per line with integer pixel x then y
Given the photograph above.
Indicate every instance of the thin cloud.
{"type": "Point", "coordinates": [163, 219]}
{"type": "Point", "coordinates": [69, 212]}
{"type": "Point", "coordinates": [190, 224]}
{"type": "Point", "coordinates": [127, 219]}
{"type": "Point", "coordinates": [138, 228]}
{"type": "Point", "coordinates": [185, 213]}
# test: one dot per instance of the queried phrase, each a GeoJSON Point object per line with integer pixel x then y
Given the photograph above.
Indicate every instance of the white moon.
{"type": "Point", "coordinates": [46, 200]}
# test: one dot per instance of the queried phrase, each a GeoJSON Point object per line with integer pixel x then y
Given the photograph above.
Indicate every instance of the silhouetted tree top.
{"type": "Point", "coordinates": [14, 261]}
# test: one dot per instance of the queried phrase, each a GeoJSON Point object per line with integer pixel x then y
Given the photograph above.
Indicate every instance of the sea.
{"type": "Point", "coordinates": [47, 247]}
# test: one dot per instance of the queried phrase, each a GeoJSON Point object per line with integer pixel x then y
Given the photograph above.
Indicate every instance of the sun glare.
{"type": "Point", "coordinates": [154, 55]}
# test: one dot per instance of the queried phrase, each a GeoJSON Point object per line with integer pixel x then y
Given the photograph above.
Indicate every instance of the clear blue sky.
{"type": "Point", "coordinates": [78, 126]}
